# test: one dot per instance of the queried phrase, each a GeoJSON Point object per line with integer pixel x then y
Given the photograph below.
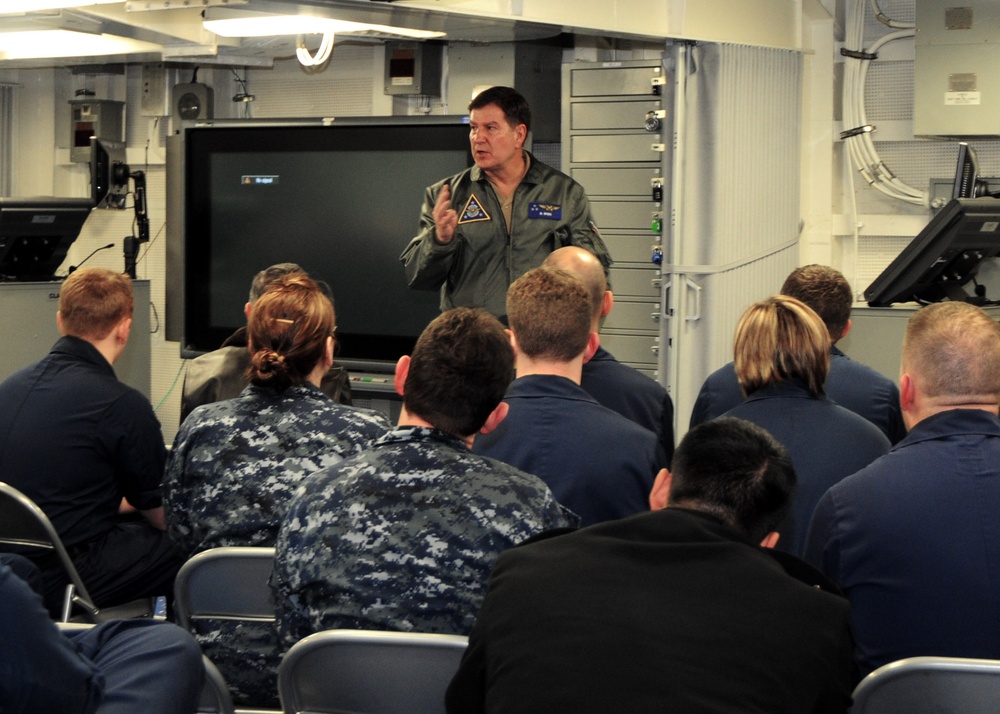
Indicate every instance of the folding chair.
{"type": "Point", "coordinates": [230, 583]}
{"type": "Point", "coordinates": [227, 585]}
{"type": "Point", "coordinates": [371, 672]}
{"type": "Point", "coordinates": [23, 524]}
{"type": "Point", "coordinates": [930, 685]}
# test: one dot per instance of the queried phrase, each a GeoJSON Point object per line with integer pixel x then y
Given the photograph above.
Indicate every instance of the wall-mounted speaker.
{"type": "Point", "coordinates": [193, 101]}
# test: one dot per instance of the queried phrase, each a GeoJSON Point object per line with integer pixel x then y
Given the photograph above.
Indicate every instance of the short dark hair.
{"type": "Point", "coordinates": [826, 291]}
{"type": "Point", "coordinates": [270, 275]}
{"type": "Point", "coordinates": [549, 314]}
{"type": "Point", "coordinates": [737, 471]}
{"type": "Point", "coordinates": [511, 102]}
{"type": "Point", "coordinates": [459, 370]}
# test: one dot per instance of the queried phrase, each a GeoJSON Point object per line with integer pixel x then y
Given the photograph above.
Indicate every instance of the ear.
{"type": "Point", "coordinates": [770, 540]}
{"type": "Point", "coordinates": [495, 417]}
{"type": "Point", "coordinates": [247, 309]}
{"type": "Point", "coordinates": [122, 330]}
{"type": "Point", "coordinates": [660, 494]}
{"type": "Point", "coordinates": [607, 303]}
{"type": "Point", "coordinates": [328, 352]}
{"type": "Point", "coordinates": [520, 134]}
{"type": "Point", "coordinates": [907, 392]}
{"type": "Point", "coordinates": [59, 322]}
{"type": "Point", "coordinates": [402, 370]}
{"type": "Point", "coordinates": [593, 342]}
{"type": "Point", "coordinates": [513, 341]}
{"type": "Point", "coordinates": [847, 328]}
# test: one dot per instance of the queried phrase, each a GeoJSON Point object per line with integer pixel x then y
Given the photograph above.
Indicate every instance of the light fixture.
{"type": "Point", "coordinates": [306, 58]}
{"type": "Point", "coordinates": [12, 6]}
{"type": "Point", "coordinates": [271, 25]}
{"type": "Point", "coordinates": [65, 43]}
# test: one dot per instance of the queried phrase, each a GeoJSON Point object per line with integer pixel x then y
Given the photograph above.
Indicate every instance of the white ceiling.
{"type": "Point", "coordinates": [176, 25]}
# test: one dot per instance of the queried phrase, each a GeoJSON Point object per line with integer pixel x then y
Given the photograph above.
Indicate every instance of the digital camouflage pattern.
{"type": "Point", "coordinates": [403, 536]}
{"type": "Point", "coordinates": [231, 474]}
{"type": "Point", "coordinates": [235, 464]}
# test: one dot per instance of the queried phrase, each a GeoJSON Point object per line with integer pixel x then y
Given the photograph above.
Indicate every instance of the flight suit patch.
{"type": "Point", "coordinates": [473, 211]}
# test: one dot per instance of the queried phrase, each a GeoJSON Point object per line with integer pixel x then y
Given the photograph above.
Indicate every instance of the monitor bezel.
{"type": "Point", "coordinates": [943, 258]}
{"type": "Point", "coordinates": [370, 353]}
{"type": "Point", "coordinates": [55, 222]}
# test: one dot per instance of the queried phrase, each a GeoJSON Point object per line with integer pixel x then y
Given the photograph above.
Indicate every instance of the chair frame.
{"type": "Point", "coordinates": [358, 649]}
{"type": "Point", "coordinates": [221, 601]}
{"type": "Point", "coordinates": [37, 531]}
{"type": "Point", "coordinates": [870, 694]}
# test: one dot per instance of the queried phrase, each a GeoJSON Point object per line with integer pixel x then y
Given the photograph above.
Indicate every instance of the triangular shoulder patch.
{"type": "Point", "coordinates": [473, 211]}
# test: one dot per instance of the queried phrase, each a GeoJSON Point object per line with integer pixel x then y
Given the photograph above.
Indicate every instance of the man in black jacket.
{"type": "Point", "coordinates": [675, 610]}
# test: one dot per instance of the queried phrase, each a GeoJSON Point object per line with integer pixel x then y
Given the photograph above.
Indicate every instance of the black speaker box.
{"type": "Point", "coordinates": [193, 101]}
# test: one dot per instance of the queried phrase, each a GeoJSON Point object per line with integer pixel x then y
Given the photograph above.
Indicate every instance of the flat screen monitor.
{"type": "Point", "coordinates": [36, 233]}
{"type": "Point", "coordinates": [109, 173]}
{"type": "Point", "coordinates": [967, 182]}
{"type": "Point", "coordinates": [944, 257]}
{"type": "Point", "coordinates": [341, 200]}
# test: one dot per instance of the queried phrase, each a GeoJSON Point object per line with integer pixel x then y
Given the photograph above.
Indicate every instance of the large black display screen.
{"type": "Point", "coordinates": [341, 200]}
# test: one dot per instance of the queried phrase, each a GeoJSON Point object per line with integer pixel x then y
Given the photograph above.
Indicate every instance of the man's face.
{"type": "Point", "coordinates": [495, 143]}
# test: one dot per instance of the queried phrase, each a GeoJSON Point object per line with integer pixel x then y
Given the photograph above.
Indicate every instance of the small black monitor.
{"type": "Point", "coordinates": [967, 182]}
{"type": "Point", "coordinates": [36, 233]}
{"type": "Point", "coordinates": [109, 173]}
{"type": "Point", "coordinates": [944, 257]}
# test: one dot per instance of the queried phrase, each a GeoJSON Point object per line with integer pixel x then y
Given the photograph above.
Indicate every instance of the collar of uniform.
{"type": "Point", "coordinates": [601, 355]}
{"type": "Point", "coordinates": [411, 434]}
{"type": "Point", "coordinates": [81, 349]}
{"type": "Point", "coordinates": [237, 339]}
{"type": "Point", "coordinates": [952, 422]}
{"type": "Point", "coordinates": [302, 390]}
{"type": "Point", "coordinates": [547, 385]}
{"type": "Point", "coordinates": [791, 389]}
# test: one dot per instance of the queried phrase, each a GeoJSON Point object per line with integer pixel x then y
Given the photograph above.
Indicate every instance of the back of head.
{"type": "Point", "coordinates": [269, 276]}
{"type": "Point", "coordinates": [736, 471]}
{"type": "Point", "coordinates": [287, 332]}
{"type": "Point", "coordinates": [826, 291]}
{"type": "Point", "coordinates": [781, 340]}
{"type": "Point", "coordinates": [585, 266]}
{"type": "Point", "coordinates": [511, 102]}
{"type": "Point", "coordinates": [459, 370]}
{"type": "Point", "coordinates": [92, 301]}
{"type": "Point", "coordinates": [549, 313]}
{"type": "Point", "coordinates": [952, 349]}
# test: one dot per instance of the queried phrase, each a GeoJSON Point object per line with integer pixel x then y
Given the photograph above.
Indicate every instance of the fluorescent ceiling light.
{"type": "Point", "coordinates": [9, 6]}
{"type": "Point", "coordinates": [270, 25]}
{"type": "Point", "coordinates": [64, 43]}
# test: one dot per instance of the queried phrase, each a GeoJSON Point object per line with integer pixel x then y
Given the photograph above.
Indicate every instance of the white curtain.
{"type": "Point", "coordinates": [738, 204]}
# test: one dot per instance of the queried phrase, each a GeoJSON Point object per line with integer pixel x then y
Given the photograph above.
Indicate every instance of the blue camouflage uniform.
{"type": "Point", "coordinates": [402, 537]}
{"type": "Point", "coordinates": [231, 474]}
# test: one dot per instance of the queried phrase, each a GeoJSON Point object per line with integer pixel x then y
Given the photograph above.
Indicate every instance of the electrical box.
{"type": "Point", "coordinates": [413, 68]}
{"type": "Point", "coordinates": [956, 85]}
{"type": "Point", "coordinates": [102, 118]}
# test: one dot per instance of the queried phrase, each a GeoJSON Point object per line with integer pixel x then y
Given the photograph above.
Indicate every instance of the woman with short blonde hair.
{"type": "Point", "coordinates": [782, 357]}
{"type": "Point", "coordinates": [781, 339]}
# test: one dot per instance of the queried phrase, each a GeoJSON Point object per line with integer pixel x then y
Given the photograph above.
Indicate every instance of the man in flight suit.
{"type": "Point", "coordinates": [488, 225]}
